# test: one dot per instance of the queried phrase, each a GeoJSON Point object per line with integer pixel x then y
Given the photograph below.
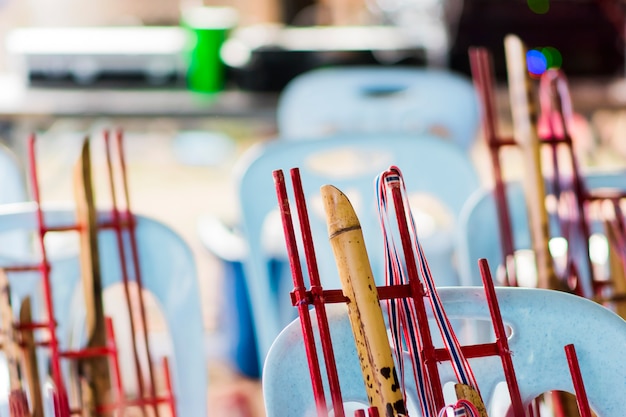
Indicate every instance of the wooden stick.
{"type": "Point", "coordinates": [31, 371]}
{"type": "Point", "coordinates": [94, 369]}
{"type": "Point", "coordinates": [366, 317]}
{"type": "Point", "coordinates": [466, 392]}
{"type": "Point", "coordinates": [524, 113]}
{"type": "Point", "coordinates": [134, 249]}
{"type": "Point", "coordinates": [125, 280]}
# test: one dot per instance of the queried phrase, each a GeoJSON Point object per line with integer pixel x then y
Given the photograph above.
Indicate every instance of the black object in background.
{"type": "Point", "coordinates": [584, 31]}
{"type": "Point", "coordinates": [291, 8]}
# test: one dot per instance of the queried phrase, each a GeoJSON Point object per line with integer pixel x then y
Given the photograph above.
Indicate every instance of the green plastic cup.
{"type": "Point", "coordinates": [207, 29]}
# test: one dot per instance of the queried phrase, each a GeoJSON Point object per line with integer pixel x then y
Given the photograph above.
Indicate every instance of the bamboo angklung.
{"type": "Point", "coordinates": [366, 317]}
{"type": "Point", "coordinates": [318, 296]}
{"type": "Point", "coordinates": [105, 350]}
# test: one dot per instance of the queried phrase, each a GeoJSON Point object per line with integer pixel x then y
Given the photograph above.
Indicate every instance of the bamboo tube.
{"type": "Point", "coordinates": [30, 360]}
{"type": "Point", "coordinates": [465, 392]}
{"type": "Point", "coordinates": [95, 369]}
{"type": "Point", "coordinates": [524, 114]}
{"type": "Point", "coordinates": [366, 317]}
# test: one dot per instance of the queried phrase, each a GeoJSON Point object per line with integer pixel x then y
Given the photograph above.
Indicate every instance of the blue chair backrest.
{"type": "Point", "coordinates": [542, 323]}
{"type": "Point", "coordinates": [334, 100]}
{"type": "Point", "coordinates": [431, 167]}
{"type": "Point", "coordinates": [478, 229]}
{"type": "Point", "coordinates": [12, 190]}
{"type": "Point", "coordinates": [168, 273]}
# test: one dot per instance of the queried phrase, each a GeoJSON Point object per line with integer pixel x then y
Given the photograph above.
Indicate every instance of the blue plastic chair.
{"type": "Point", "coordinates": [168, 272]}
{"type": "Point", "coordinates": [542, 323]}
{"type": "Point", "coordinates": [12, 190]}
{"type": "Point", "coordinates": [420, 101]}
{"type": "Point", "coordinates": [432, 168]}
{"type": "Point", "coordinates": [478, 231]}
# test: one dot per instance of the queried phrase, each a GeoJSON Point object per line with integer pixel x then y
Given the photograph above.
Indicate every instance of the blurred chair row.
{"type": "Point", "coordinates": [416, 101]}
{"type": "Point", "coordinates": [166, 262]}
{"type": "Point", "coordinates": [347, 147]}
{"type": "Point", "coordinates": [423, 121]}
{"type": "Point", "coordinates": [478, 232]}
{"type": "Point", "coordinates": [344, 126]}
{"type": "Point", "coordinates": [543, 322]}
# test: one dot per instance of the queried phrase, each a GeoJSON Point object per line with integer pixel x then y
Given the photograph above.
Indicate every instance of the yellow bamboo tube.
{"type": "Point", "coordinates": [366, 317]}
{"type": "Point", "coordinates": [30, 360]}
{"type": "Point", "coordinates": [525, 131]}
{"type": "Point", "coordinates": [466, 392]}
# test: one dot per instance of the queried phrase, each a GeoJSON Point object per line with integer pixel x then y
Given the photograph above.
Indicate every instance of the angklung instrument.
{"type": "Point", "coordinates": [412, 293]}
{"type": "Point", "coordinates": [557, 174]}
{"type": "Point", "coordinates": [95, 387]}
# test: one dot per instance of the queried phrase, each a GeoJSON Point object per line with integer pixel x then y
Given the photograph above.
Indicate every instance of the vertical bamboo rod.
{"type": "Point", "coordinates": [300, 293]}
{"type": "Point", "coordinates": [366, 317]}
{"type": "Point", "coordinates": [524, 111]}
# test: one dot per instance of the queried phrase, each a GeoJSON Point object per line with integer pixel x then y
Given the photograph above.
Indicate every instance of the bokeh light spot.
{"type": "Point", "coordinates": [553, 57]}
{"type": "Point", "coordinates": [539, 6]}
{"type": "Point", "coordinates": [536, 62]}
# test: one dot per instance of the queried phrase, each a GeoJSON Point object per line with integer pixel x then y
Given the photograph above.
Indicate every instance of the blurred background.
{"type": "Point", "coordinates": [195, 84]}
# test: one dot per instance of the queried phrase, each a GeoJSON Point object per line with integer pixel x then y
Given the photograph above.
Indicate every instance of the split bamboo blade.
{"type": "Point", "coordinates": [366, 316]}
{"type": "Point", "coordinates": [95, 369]}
